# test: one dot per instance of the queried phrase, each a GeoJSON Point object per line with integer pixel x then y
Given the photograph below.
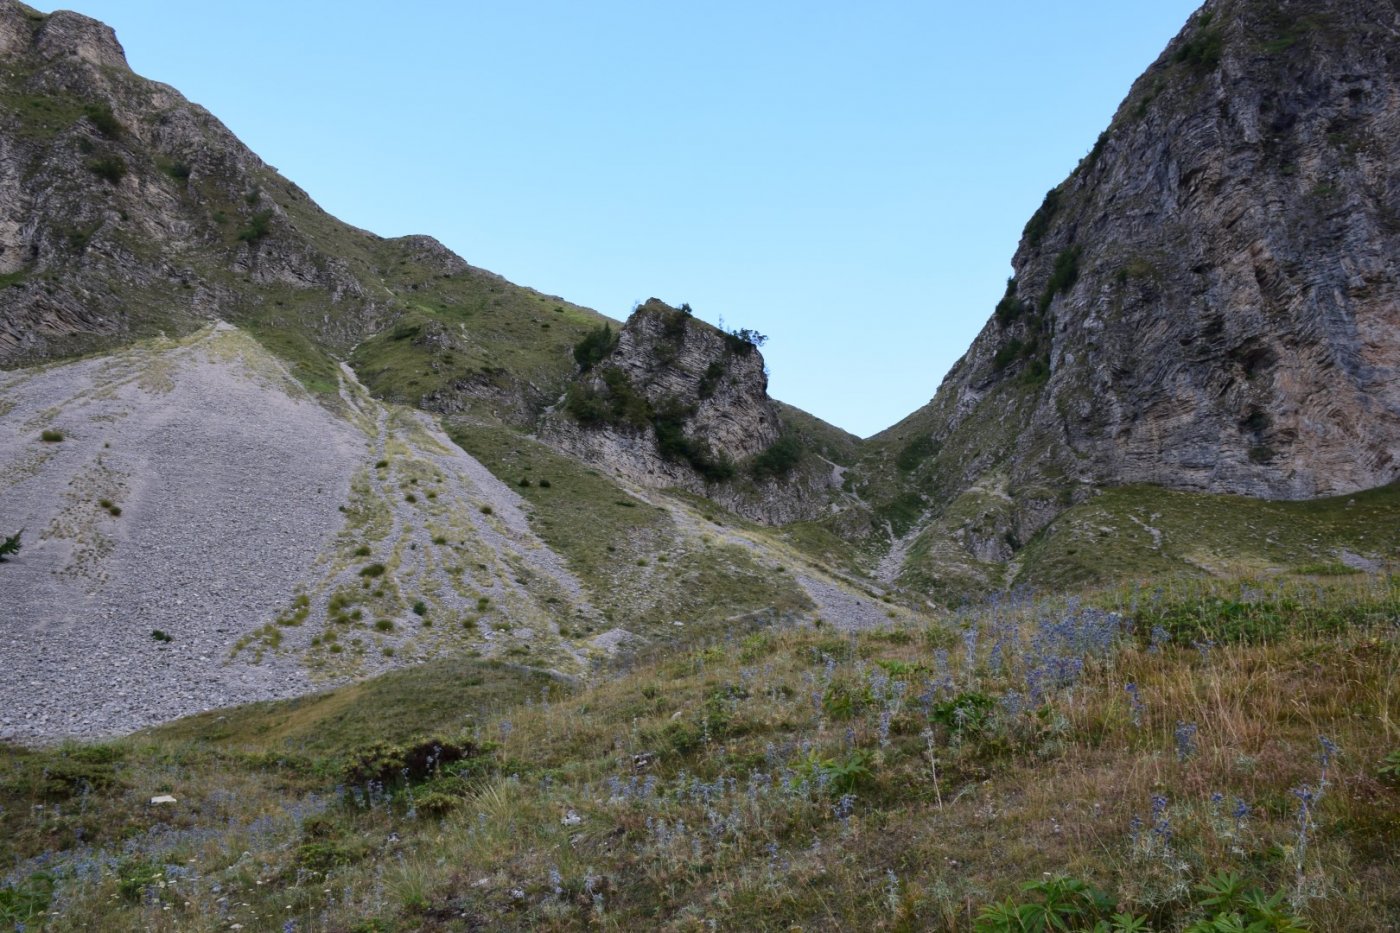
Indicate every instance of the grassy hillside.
{"type": "Point", "coordinates": [1135, 532]}
{"type": "Point", "coordinates": [1183, 753]}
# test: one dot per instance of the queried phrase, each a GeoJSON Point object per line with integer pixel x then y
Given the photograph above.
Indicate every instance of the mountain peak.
{"type": "Point", "coordinates": [61, 34]}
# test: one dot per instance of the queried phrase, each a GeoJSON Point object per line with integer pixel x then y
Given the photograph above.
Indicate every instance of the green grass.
{"type": "Point", "coordinates": [570, 805]}
{"type": "Point", "coordinates": [603, 533]}
{"type": "Point", "coordinates": [1111, 538]}
{"type": "Point", "coordinates": [438, 697]}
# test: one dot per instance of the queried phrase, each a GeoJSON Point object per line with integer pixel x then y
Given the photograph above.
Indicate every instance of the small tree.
{"type": "Point", "coordinates": [10, 545]}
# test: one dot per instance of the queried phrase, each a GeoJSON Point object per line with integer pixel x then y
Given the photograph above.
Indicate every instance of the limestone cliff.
{"type": "Point", "coordinates": [671, 401]}
{"type": "Point", "coordinates": [1211, 300]}
{"type": "Point", "coordinates": [126, 210]}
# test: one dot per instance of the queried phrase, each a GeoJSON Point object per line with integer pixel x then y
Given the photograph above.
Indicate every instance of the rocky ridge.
{"type": "Point", "coordinates": [1211, 300]}
{"type": "Point", "coordinates": [672, 401]}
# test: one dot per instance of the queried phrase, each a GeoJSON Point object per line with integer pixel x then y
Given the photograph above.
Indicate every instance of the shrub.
{"type": "Point", "coordinates": [743, 340]}
{"type": "Point", "coordinates": [257, 227]}
{"type": "Point", "coordinates": [595, 346]}
{"type": "Point", "coordinates": [1062, 277]}
{"type": "Point", "coordinates": [101, 117]}
{"type": "Point", "coordinates": [779, 459]}
{"type": "Point", "coordinates": [710, 381]}
{"type": "Point", "coordinates": [916, 452]}
{"type": "Point", "coordinates": [420, 608]}
{"type": "Point", "coordinates": [51, 437]}
{"type": "Point", "coordinates": [1008, 354]}
{"type": "Point", "coordinates": [543, 484]}
{"type": "Point", "coordinates": [384, 625]}
{"type": "Point", "coordinates": [160, 635]}
{"type": "Point", "coordinates": [1010, 307]}
{"type": "Point", "coordinates": [180, 171]}
{"type": "Point", "coordinates": [1202, 51]}
{"type": "Point", "coordinates": [111, 169]}
{"type": "Point", "coordinates": [10, 545]}
{"type": "Point", "coordinates": [1039, 224]}
{"type": "Point", "coordinates": [373, 570]}
{"type": "Point", "coordinates": [393, 764]}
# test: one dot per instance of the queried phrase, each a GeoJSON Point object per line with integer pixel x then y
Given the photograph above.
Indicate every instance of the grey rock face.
{"type": "Point", "coordinates": [1211, 301]}
{"type": "Point", "coordinates": [125, 209]}
{"type": "Point", "coordinates": [717, 386]}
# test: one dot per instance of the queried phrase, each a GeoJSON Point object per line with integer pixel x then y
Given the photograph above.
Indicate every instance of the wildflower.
{"type": "Point", "coordinates": [892, 889]}
{"type": "Point", "coordinates": [1185, 740]}
{"type": "Point", "coordinates": [1135, 704]}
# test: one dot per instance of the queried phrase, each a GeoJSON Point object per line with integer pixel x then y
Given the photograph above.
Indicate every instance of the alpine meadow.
{"type": "Point", "coordinates": [347, 586]}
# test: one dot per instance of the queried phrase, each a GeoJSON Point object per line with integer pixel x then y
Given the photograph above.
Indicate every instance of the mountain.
{"type": "Point", "coordinates": [127, 211]}
{"type": "Point", "coordinates": [249, 489]}
{"type": "Point", "coordinates": [204, 368]}
{"type": "Point", "coordinates": [383, 594]}
{"type": "Point", "coordinates": [1210, 302]}
{"type": "Point", "coordinates": [671, 401]}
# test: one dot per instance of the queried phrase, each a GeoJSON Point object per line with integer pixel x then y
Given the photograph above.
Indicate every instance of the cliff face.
{"type": "Point", "coordinates": [671, 401]}
{"type": "Point", "coordinates": [123, 207]}
{"type": "Point", "coordinates": [126, 210]}
{"type": "Point", "coordinates": [1211, 301]}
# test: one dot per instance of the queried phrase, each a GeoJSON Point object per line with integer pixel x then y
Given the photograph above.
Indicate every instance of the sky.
{"type": "Point", "coordinates": [850, 179]}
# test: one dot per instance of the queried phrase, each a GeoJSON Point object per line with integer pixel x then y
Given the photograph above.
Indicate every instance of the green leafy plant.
{"type": "Point", "coordinates": [595, 345]}
{"type": "Point", "coordinates": [1234, 908]}
{"type": "Point", "coordinates": [11, 545]}
{"type": "Point", "coordinates": [101, 116]}
{"type": "Point", "coordinates": [1057, 904]}
{"type": "Point", "coordinates": [1389, 770]}
{"type": "Point", "coordinates": [111, 169]}
{"type": "Point", "coordinates": [779, 459]}
{"type": "Point", "coordinates": [258, 227]}
{"type": "Point", "coordinates": [51, 437]}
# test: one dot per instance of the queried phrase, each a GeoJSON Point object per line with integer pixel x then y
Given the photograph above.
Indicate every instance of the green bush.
{"type": "Point", "coordinates": [389, 765]}
{"type": "Point", "coordinates": [10, 545]}
{"type": "Point", "coordinates": [779, 459]}
{"type": "Point", "coordinates": [916, 452]}
{"type": "Point", "coordinates": [1010, 307]}
{"type": "Point", "coordinates": [595, 346]}
{"type": "Point", "coordinates": [51, 437]}
{"type": "Point", "coordinates": [1062, 277]}
{"type": "Point", "coordinates": [710, 381]}
{"type": "Point", "coordinates": [1202, 51]}
{"type": "Point", "coordinates": [111, 169]}
{"type": "Point", "coordinates": [1039, 224]}
{"type": "Point", "coordinates": [258, 227]}
{"type": "Point", "coordinates": [101, 116]}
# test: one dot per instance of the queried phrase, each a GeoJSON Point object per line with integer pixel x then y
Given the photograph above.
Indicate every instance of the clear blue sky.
{"type": "Point", "coordinates": [849, 178]}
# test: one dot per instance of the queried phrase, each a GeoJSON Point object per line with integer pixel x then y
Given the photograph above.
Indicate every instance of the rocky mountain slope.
{"type": "Point", "coordinates": [671, 401]}
{"type": "Point", "coordinates": [1210, 302]}
{"type": "Point", "coordinates": [126, 211]}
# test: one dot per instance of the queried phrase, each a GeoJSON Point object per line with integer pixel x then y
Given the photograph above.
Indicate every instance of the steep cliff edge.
{"type": "Point", "coordinates": [671, 401]}
{"type": "Point", "coordinates": [1211, 300]}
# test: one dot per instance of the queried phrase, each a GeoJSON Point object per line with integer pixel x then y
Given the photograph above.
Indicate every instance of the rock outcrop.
{"type": "Point", "coordinates": [1211, 301]}
{"type": "Point", "coordinates": [671, 401]}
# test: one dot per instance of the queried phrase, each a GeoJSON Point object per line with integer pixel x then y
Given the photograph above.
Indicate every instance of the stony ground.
{"type": "Point", "coordinates": [206, 533]}
{"type": "Point", "coordinates": [227, 479]}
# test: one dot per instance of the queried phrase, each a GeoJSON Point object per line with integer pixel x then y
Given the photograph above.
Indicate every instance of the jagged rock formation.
{"type": "Point", "coordinates": [672, 401]}
{"type": "Point", "coordinates": [1211, 301]}
{"type": "Point", "coordinates": [126, 210]}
